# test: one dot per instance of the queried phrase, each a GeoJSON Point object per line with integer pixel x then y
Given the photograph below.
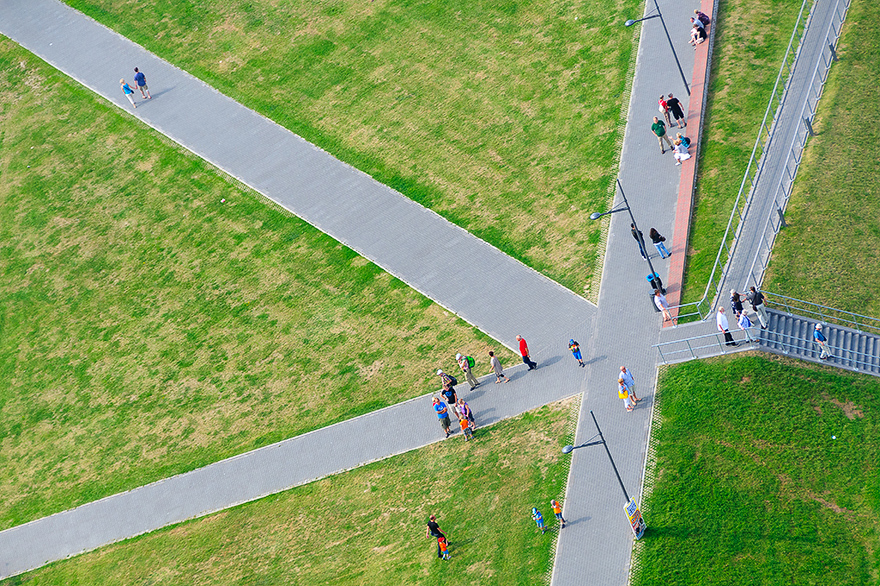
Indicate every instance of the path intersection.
{"type": "Point", "coordinates": [495, 293]}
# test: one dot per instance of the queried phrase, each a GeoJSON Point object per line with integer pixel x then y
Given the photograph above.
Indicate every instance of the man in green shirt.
{"type": "Point", "coordinates": [659, 129]}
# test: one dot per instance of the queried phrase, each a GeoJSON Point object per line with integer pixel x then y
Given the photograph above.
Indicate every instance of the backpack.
{"type": "Point", "coordinates": [470, 361]}
{"type": "Point", "coordinates": [454, 380]}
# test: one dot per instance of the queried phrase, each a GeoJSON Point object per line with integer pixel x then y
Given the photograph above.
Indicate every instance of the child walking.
{"type": "Point", "coordinates": [576, 351]}
{"type": "Point", "coordinates": [444, 548]}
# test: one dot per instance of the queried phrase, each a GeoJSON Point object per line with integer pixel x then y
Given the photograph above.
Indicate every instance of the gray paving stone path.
{"type": "Point", "coordinates": [492, 291]}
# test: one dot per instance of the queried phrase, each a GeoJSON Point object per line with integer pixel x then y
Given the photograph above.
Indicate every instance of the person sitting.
{"type": "Point", "coordinates": [698, 35]}
{"type": "Point", "coordinates": [680, 152]}
{"type": "Point", "coordinates": [684, 140]}
{"type": "Point", "coordinates": [702, 17]}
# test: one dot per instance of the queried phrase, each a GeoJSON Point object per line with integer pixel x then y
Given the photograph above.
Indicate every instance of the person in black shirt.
{"type": "Point", "coordinates": [434, 531]}
{"type": "Point", "coordinates": [675, 108]}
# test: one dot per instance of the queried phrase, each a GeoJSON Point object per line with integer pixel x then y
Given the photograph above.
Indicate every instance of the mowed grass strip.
{"type": "Point", "coordinates": [751, 486]}
{"type": "Point", "coordinates": [367, 526]}
{"type": "Point", "coordinates": [745, 62]}
{"type": "Point", "coordinates": [830, 251]}
{"type": "Point", "coordinates": [147, 329]}
{"type": "Point", "coordinates": [501, 116]}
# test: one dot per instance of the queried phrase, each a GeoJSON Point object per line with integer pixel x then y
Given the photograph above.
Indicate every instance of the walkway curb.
{"type": "Point", "coordinates": [687, 187]}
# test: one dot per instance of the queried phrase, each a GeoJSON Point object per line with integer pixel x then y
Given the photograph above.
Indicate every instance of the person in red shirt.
{"type": "Point", "coordinates": [524, 351]}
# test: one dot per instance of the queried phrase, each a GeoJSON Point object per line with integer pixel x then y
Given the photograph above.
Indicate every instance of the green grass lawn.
{"type": "Point", "coordinates": [504, 117]}
{"type": "Point", "coordinates": [367, 526]}
{"type": "Point", "coordinates": [750, 485]}
{"type": "Point", "coordinates": [833, 214]}
{"type": "Point", "coordinates": [147, 329]}
{"type": "Point", "coordinates": [751, 38]}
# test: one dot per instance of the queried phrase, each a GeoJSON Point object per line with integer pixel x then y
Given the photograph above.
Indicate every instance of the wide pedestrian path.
{"type": "Point", "coordinates": [469, 277]}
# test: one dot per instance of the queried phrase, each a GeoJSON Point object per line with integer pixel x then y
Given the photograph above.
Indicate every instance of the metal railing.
{"type": "Point", "coordinates": [844, 357]}
{"type": "Point", "coordinates": [775, 221]}
{"type": "Point", "coordinates": [823, 313]}
{"type": "Point", "coordinates": [708, 345]}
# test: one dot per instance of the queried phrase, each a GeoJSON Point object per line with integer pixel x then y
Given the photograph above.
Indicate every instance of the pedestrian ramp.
{"type": "Point", "coordinates": [787, 334]}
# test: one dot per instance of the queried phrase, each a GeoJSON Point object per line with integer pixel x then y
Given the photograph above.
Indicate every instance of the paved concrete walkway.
{"type": "Point", "coordinates": [495, 293]}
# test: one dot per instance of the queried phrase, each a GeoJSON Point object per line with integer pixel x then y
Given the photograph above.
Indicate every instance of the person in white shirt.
{"type": "Point", "coordinates": [724, 327]}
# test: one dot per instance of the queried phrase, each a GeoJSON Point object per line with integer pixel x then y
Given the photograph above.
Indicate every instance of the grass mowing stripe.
{"type": "Point", "coordinates": [765, 473]}
{"type": "Point", "coordinates": [148, 329]}
{"type": "Point", "coordinates": [500, 117]}
{"type": "Point", "coordinates": [367, 526]}
{"type": "Point", "coordinates": [832, 215]}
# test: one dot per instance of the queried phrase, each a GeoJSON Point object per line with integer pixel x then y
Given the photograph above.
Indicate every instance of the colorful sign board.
{"type": "Point", "coordinates": [635, 518]}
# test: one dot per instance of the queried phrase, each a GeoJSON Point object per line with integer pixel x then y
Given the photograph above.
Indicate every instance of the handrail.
{"type": "Point", "coordinates": [825, 314]}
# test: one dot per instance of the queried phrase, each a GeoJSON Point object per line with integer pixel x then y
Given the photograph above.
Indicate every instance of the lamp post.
{"type": "Point", "coordinates": [668, 38]}
{"type": "Point", "coordinates": [637, 523]}
{"type": "Point", "coordinates": [601, 440]}
{"type": "Point", "coordinates": [597, 215]}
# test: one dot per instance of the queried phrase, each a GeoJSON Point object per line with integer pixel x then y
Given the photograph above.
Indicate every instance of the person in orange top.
{"type": "Point", "coordinates": [444, 547]}
{"type": "Point", "coordinates": [466, 428]}
{"type": "Point", "coordinates": [557, 510]}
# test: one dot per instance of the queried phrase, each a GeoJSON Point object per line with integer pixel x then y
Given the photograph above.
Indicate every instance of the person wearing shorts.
{"type": "Point", "coordinates": [557, 510]}
{"type": "Point", "coordinates": [141, 80]}
{"type": "Point", "coordinates": [442, 415]}
{"type": "Point", "coordinates": [539, 519]}
{"type": "Point", "coordinates": [576, 351]}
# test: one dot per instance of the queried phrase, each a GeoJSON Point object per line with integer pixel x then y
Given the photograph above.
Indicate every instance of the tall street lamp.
{"type": "Point", "coordinates": [632, 510]}
{"type": "Point", "coordinates": [674, 54]}
{"type": "Point", "coordinates": [597, 215]}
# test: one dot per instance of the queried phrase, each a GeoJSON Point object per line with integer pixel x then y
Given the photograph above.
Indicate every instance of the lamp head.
{"type": "Point", "coordinates": [630, 22]}
{"type": "Point", "coordinates": [567, 449]}
{"type": "Point", "coordinates": [595, 216]}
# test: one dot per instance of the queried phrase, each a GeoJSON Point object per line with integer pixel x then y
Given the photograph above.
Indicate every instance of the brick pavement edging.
{"type": "Point", "coordinates": [687, 184]}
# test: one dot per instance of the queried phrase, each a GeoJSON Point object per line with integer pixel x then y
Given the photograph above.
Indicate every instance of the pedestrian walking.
{"type": "Point", "coordinates": [658, 241]}
{"type": "Point", "coordinates": [629, 391]}
{"type": "Point", "coordinates": [745, 324]}
{"type": "Point", "coordinates": [822, 341]}
{"type": "Point", "coordinates": [129, 93]}
{"type": "Point", "coordinates": [451, 399]}
{"type": "Point", "coordinates": [434, 528]}
{"type": "Point", "coordinates": [663, 306]}
{"type": "Point", "coordinates": [466, 363]}
{"type": "Point", "coordinates": [664, 109]}
{"type": "Point", "coordinates": [443, 548]}
{"type": "Point", "coordinates": [623, 393]}
{"type": "Point", "coordinates": [640, 239]}
{"type": "Point", "coordinates": [557, 510]}
{"type": "Point", "coordinates": [735, 303]}
{"type": "Point", "coordinates": [465, 428]}
{"type": "Point", "coordinates": [676, 111]}
{"type": "Point", "coordinates": [497, 369]}
{"type": "Point", "coordinates": [680, 152]}
{"type": "Point", "coordinates": [467, 413]}
{"type": "Point", "coordinates": [659, 130]}
{"type": "Point", "coordinates": [524, 352]}
{"type": "Point", "coordinates": [724, 326]}
{"type": "Point", "coordinates": [628, 379]}
{"type": "Point", "coordinates": [141, 80]}
{"type": "Point", "coordinates": [442, 415]}
{"type": "Point", "coordinates": [539, 519]}
{"type": "Point", "coordinates": [756, 298]}
{"type": "Point", "coordinates": [702, 17]}
{"type": "Point", "coordinates": [576, 351]}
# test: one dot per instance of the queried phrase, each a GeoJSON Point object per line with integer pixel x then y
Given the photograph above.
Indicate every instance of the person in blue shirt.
{"type": "Point", "coordinates": [576, 351]}
{"type": "Point", "coordinates": [141, 80]}
{"type": "Point", "coordinates": [129, 93]}
{"type": "Point", "coordinates": [442, 414]}
{"type": "Point", "coordinates": [539, 519]}
{"type": "Point", "coordinates": [820, 339]}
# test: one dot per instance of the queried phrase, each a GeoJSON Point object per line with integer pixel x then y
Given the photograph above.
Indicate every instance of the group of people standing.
{"type": "Point", "coordinates": [756, 299]}
{"type": "Point", "coordinates": [671, 106]}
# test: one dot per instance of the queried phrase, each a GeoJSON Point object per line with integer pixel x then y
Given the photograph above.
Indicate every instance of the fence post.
{"type": "Point", "coordinates": [782, 223]}
{"type": "Point", "coordinates": [809, 127]}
